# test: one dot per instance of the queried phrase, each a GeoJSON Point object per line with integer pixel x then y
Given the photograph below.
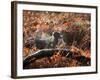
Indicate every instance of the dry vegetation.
{"type": "Point", "coordinates": [74, 28]}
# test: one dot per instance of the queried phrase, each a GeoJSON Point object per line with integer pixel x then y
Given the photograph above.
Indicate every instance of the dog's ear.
{"type": "Point", "coordinates": [56, 34]}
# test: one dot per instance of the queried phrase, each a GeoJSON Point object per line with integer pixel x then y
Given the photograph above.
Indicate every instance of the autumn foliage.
{"type": "Point", "coordinates": [75, 30]}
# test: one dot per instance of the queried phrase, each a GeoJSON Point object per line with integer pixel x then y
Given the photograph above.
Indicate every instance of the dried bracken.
{"type": "Point", "coordinates": [72, 59]}
{"type": "Point", "coordinates": [51, 30]}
